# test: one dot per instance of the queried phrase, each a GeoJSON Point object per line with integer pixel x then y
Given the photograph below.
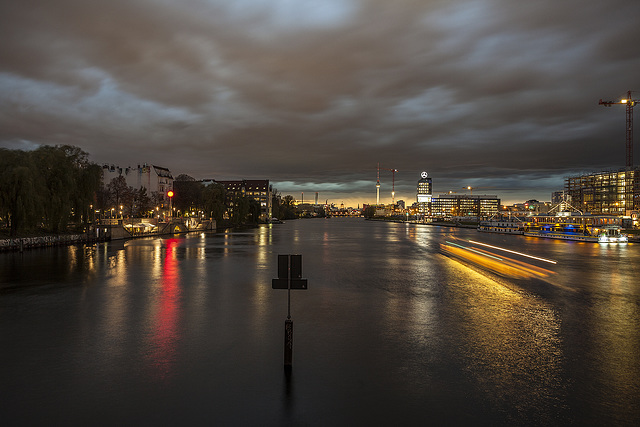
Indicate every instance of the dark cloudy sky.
{"type": "Point", "coordinates": [501, 95]}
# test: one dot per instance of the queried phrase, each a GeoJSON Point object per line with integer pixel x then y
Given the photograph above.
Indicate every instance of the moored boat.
{"type": "Point", "coordinates": [503, 226]}
{"type": "Point", "coordinates": [582, 228]}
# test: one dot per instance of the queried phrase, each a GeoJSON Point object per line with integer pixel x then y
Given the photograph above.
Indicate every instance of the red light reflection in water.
{"type": "Point", "coordinates": [165, 333]}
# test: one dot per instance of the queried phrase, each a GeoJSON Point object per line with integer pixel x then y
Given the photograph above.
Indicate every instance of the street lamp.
{"type": "Point", "coordinates": [170, 196]}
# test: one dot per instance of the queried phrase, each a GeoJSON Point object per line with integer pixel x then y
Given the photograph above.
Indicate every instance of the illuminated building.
{"type": "Point", "coordinates": [256, 189]}
{"type": "Point", "coordinates": [155, 179]}
{"type": "Point", "coordinates": [459, 205]}
{"type": "Point", "coordinates": [605, 193]}
{"type": "Point", "coordinates": [424, 194]}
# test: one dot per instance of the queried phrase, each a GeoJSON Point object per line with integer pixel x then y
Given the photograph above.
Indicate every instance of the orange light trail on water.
{"type": "Point", "coordinates": [503, 266]}
{"type": "Point", "coordinates": [514, 252]}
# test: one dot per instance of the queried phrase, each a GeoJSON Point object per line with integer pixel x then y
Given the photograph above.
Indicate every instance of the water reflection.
{"type": "Point", "coordinates": [510, 342]}
{"type": "Point", "coordinates": [615, 338]}
{"type": "Point", "coordinates": [389, 330]}
{"type": "Point", "coordinates": [167, 312]}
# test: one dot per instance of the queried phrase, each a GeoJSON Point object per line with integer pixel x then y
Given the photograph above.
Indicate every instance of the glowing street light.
{"type": "Point", "coordinates": [170, 196]}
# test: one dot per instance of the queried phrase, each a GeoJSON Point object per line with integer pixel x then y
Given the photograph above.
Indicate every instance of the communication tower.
{"type": "Point", "coordinates": [378, 186]}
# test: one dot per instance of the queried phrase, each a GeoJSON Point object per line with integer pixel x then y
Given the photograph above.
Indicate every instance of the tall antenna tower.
{"type": "Point", "coordinates": [378, 186]}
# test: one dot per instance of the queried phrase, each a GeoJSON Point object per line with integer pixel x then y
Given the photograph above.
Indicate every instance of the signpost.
{"type": "Point", "coordinates": [289, 277]}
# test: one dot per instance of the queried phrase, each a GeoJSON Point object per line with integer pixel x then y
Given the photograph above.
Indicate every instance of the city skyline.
{"type": "Point", "coordinates": [498, 96]}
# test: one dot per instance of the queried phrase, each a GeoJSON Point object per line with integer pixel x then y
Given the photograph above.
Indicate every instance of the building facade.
{"type": "Point", "coordinates": [257, 189]}
{"type": "Point", "coordinates": [461, 205]}
{"type": "Point", "coordinates": [424, 194]}
{"type": "Point", "coordinates": [155, 179]}
{"type": "Point", "coordinates": [605, 193]}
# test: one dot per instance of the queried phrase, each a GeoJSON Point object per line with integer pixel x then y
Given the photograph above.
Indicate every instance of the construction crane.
{"type": "Point", "coordinates": [393, 187]}
{"type": "Point", "coordinates": [629, 103]}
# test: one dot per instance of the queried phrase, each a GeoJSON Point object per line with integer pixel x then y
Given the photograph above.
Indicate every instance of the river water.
{"type": "Point", "coordinates": [391, 331]}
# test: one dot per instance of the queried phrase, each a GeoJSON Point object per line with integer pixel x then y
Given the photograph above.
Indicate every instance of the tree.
{"type": "Point", "coordinates": [213, 201]}
{"type": "Point", "coordinates": [254, 210]}
{"type": "Point", "coordinates": [142, 202]}
{"type": "Point", "coordinates": [19, 195]}
{"type": "Point", "coordinates": [56, 173]}
{"type": "Point", "coordinates": [187, 195]}
{"type": "Point", "coordinates": [369, 211]}
{"type": "Point", "coordinates": [46, 185]}
{"type": "Point", "coordinates": [240, 210]}
{"type": "Point", "coordinates": [287, 208]}
{"type": "Point", "coordinates": [275, 204]}
{"type": "Point", "coordinates": [184, 177]}
{"type": "Point", "coordinates": [69, 181]}
{"type": "Point", "coordinates": [119, 192]}
{"type": "Point", "coordinates": [103, 199]}
{"type": "Point", "coordinates": [88, 183]}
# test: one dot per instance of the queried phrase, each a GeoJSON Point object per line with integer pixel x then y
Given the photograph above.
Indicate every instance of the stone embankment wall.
{"type": "Point", "coordinates": [44, 241]}
{"type": "Point", "coordinates": [101, 234]}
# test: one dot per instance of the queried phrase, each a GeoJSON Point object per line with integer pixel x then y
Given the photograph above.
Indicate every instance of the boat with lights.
{"type": "Point", "coordinates": [502, 226]}
{"type": "Point", "coordinates": [575, 227]}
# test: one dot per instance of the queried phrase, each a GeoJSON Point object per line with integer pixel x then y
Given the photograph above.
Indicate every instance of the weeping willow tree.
{"type": "Point", "coordinates": [20, 190]}
{"type": "Point", "coordinates": [46, 187]}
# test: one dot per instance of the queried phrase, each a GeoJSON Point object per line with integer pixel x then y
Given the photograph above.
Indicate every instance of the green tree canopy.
{"type": "Point", "coordinates": [213, 201]}
{"type": "Point", "coordinates": [46, 186]}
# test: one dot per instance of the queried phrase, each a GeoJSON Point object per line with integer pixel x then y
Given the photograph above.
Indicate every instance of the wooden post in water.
{"type": "Point", "coordinates": [289, 277]}
{"type": "Point", "coordinates": [288, 343]}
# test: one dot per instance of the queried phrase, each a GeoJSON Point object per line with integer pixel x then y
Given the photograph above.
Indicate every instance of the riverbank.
{"type": "Point", "coordinates": [22, 243]}
{"type": "Point", "coordinates": [102, 233]}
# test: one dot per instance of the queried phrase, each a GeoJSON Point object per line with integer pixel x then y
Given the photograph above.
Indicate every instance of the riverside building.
{"type": "Point", "coordinates": [155, 179]}
{"type": "Point", "coordinates": [425, 194]}
{"type": "Point", "coordinates": [253, 189]}
{"type": "Point", "coordinates": [606, 193]}
{"type": "Point", "coordinates": [463, 205]}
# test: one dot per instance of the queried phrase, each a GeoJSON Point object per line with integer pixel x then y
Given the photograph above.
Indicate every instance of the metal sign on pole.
{"type": "Point", "coordinates": [289, 277]}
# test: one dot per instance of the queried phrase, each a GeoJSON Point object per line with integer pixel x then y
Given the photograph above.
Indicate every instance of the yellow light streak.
{"type": "Point", "coordinates": [514, 252]}
{"type": "Point", "coordinates": [507, 267]}
{"type": "Point", "coordinates": [474, 250]}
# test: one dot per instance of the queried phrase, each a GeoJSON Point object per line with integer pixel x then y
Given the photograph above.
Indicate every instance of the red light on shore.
{"type": "Point", "coordinates": [169, 194]}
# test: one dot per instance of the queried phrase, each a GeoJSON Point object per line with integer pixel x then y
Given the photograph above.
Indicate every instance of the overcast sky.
{"type": "Point", "coordinates": [501, 95]}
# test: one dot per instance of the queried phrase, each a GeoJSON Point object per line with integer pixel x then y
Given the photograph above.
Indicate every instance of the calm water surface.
{"type": "Point", "coordinates": [187, 330]}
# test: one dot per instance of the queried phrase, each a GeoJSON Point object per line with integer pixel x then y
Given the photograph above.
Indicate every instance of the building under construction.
{"type": "Point", "coordinates": [606, 193]}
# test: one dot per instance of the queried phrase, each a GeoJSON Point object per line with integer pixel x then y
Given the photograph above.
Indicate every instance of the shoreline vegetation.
{"type": "Point", "coordinates": [54, 196]}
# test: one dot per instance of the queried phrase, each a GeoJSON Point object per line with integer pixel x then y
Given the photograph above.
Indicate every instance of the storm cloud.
{"type": "Point", "coordinates": [312, 95]}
